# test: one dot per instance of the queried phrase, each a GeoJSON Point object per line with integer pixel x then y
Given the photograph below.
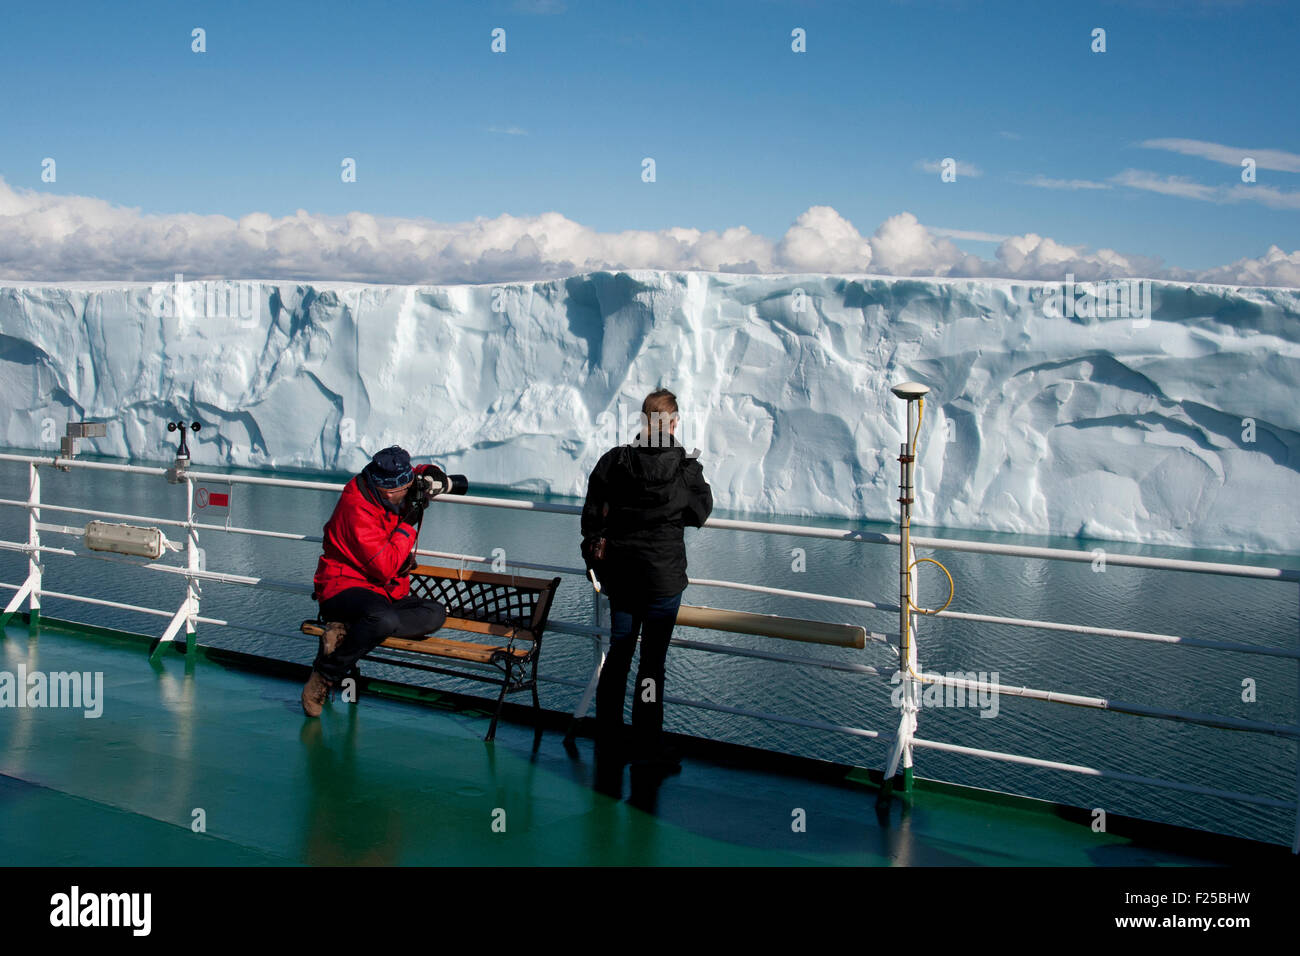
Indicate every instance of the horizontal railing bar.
{"type": "Point", "coordinates": [805, 595]}
{"type": "Point", "coordinates": [46, 506]}
{"type": "Point", "coordinates": [1172, 639]}
{"type": "Point", "coordinates": [866, 669]}
{"type": "Point", "coordinates": [778, 718]}
{"type": "Point", "coordinates": [227, 578]}
{"type": "Point", "coordinates": [115, 604]}
{"type": "Point", "coordinates": [59, 528]}
{"type": "Point", "coordinates": [60, 462]}
{"type": "Point", "coordinates": [34, 549]}
{"type": "Point", "coordinates": [1101, 703]}
{"type": "Point", "coordinates": [1104, 774]}
{"type": "Point", "coordinates": [259, 533]}
{"type": "Point", "coordinates": [274, 482]}
{"type": "Point", "coordinates": [1087, 557]}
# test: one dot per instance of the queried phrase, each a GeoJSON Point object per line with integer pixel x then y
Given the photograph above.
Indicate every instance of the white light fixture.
{"type": "Point", "coordinates": [125, 539]}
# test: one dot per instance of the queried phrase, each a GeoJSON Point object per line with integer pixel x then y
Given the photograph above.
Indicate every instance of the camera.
{"type": "Point", "coordinates": [436, 482]}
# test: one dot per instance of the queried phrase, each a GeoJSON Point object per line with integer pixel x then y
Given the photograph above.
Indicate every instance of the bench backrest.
{"type": "Point", "coordinates": [506, 599]}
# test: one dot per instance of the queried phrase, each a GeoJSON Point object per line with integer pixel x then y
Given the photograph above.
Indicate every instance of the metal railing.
{"type": "Point", "coordinates": [193, 572]}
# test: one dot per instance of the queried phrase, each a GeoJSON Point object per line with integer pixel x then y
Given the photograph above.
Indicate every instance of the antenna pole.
{"type": "Point", "coordinates": [901, 753]}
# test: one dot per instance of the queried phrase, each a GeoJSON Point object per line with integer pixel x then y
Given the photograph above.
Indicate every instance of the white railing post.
{"type": "Point", "coordinates": [192, 586]}
{"type": "Point", "coordinates": [33, 539]}
{"type": "Point", "coordinates": [914, 666]}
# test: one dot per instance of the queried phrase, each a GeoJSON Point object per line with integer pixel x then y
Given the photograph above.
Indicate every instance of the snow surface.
{"type": "Point", "coordinates": [1107, 428]}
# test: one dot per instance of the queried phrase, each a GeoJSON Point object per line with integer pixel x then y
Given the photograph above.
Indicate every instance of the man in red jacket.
{"type": "Point", "coordinates": [363, 577]}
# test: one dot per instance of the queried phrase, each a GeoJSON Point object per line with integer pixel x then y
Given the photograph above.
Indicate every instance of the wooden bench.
{"type": "Point", "coordinates": [506, 607]}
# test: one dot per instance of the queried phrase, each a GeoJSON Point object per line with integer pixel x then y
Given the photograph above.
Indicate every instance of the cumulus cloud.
{"type": "Point", "coordinates": [1275, 267]}
{"type": "Point", "coordinates": [49, 237]}
{"type": "Point", "coordinates": [820, 236]}
{"type": "Point", "coordinates": [904, 247]}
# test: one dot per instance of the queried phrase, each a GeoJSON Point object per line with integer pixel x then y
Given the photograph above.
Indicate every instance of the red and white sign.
{"type": "Point", "coordinates": [212, 496]}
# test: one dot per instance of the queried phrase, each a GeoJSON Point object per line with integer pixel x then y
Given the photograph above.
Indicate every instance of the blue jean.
{"type": "Point", "coordinates": [653, 619]}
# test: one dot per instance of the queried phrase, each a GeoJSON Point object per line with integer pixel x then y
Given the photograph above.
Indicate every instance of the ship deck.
{"type": "Point", "coordinates": [404, 777]}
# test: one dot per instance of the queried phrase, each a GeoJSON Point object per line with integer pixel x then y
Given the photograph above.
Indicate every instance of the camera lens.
{"type": "Point", "coordinates": [459, 485]}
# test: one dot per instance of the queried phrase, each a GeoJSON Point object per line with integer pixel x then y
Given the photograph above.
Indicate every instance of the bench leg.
{"type": "Point", "coordinates": [537, 705]}
{"type": "Point", "coordinates": [492, 731]}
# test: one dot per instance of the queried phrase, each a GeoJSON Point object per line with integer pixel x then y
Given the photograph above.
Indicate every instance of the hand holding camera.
{"type": "Point", "coordinates": [435, 481]}
{"type": "Point", "coordinates": [428, 485]}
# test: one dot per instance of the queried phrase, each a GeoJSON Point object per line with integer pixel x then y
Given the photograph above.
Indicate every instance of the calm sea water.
{"type": "Point", "coordinates": [1262, 613]}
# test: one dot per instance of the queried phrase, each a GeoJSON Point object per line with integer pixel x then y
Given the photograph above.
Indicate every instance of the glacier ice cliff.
{"type": "Point", "coordinates": [1180, 430]}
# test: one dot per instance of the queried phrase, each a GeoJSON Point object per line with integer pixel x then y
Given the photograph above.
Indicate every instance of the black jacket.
{"type": "Point", "coordinates": [640, 498]}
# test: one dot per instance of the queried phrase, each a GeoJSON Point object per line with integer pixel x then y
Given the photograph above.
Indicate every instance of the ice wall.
{"type": "Point", "coordinates": [1180, 427]}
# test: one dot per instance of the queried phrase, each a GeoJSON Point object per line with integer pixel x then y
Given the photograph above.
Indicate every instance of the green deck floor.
{"type": "Point", "coordinates": [390, 782]}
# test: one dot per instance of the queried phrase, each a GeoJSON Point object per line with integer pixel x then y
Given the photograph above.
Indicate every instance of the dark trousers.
{"type": "Point", "coordinates": [653, 620]}
{"type": "Point", "coordinates": [371, 617]}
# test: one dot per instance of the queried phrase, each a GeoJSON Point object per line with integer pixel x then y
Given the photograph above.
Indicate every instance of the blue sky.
{"type": "Point", "coordinates": [743, 131]}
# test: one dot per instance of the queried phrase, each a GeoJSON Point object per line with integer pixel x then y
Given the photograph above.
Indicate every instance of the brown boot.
{"type": "Point", "coordinates": [333, 637]}
{"type": "Point", "coordinates": [314, 694]}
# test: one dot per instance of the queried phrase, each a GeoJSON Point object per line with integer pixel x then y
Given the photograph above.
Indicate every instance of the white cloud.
{"type": "Point", "coordinates": [509, 130]}
{"type": "Point", "coordinates": [1167, 185]}
{"type": "Point", "coordinates": [1032, 256]}
{"type": "Point", "coordinates": [1268, 195]}
{"type": "Point", "coordinates": [968, 234]}
{"type": "Point", "coordinates": [1229, 155]}
{"type": "Point", "coordinates": [50, 237]}
{"type": "Point", "coordinates": [821, 236]}
{"type": "Point", "coordinates": [904, 247]}
{"type": "Point", "coordinates": [1275, 267]}
{"type": "Point", "coordinates": [1046, 183]}
{"type": "Point", "coordinates": [961, 167]}
{"type": "Point", "coordinates": [1186, 188]}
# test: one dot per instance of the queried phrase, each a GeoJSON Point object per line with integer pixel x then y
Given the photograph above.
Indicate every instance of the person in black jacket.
{"type": "Point", "coordinates": [639, 498]}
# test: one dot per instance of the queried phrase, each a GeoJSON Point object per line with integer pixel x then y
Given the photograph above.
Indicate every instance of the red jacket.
{"type": "Point", "coordinates": [365, 544]}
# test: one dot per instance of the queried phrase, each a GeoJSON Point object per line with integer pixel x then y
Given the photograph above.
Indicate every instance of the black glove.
{"type": "Point", "coordinates": [436, 480]}
{"type": "Point", "coordinates": [408, 565]}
